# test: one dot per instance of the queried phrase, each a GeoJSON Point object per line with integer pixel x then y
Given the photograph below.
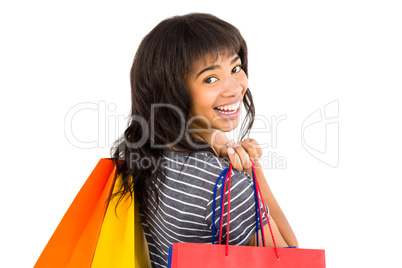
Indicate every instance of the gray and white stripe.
{"type": "Point", "coordinates": [185, 205]}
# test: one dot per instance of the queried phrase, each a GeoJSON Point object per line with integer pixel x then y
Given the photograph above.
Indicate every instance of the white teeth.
{"type": "Point", "coordinates": [229, 107]}
{"type": "Point", "coordinates": [228, 112]}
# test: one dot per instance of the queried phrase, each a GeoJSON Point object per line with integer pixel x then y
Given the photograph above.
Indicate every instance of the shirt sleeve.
{"type": "Point", "coordinates": [242, 225]}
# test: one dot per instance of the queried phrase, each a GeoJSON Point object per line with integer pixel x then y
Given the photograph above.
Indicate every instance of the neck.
{"type": "Point", "coordinates": [215, 138]}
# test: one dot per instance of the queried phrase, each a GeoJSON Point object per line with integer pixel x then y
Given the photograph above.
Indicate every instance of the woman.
{"type": "Point", "coordinates": [189, 85]}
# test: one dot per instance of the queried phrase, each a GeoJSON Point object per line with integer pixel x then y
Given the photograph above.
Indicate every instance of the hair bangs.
{"type": "Point", "coordinates": [202, 36]}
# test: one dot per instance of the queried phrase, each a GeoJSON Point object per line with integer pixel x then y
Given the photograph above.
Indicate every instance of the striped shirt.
{"type": "Point", "coordinates": [185, 204]}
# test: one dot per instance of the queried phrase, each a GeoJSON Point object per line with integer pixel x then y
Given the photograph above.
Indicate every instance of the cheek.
{"type": "Point", "coordinates": [243, 81]}
{"type": "Point", "coordinates": [202, 99]}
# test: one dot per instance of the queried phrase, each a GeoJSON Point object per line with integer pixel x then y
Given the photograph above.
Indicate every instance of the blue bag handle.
{"type": "Point", "coordinates": [224, 172]}
{"type": "Point", "coordinates": [258, 221]}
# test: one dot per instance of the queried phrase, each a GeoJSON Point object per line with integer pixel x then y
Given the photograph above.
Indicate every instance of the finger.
{"type": "Point", "coordinates": [235, 159]}
{"type": "Point", "coordinates": [257, 147]}
{"type": "Point", "coordinates": [253, 146]}
{"type": "Point", "coordinates": [248, 147]}
{"type": "Point", "coordinates": [223, 153]}
{"type": "Point", "coordinates": [251, 151]}
{"type": "Point", "coordinates": [243, 157]}
{"type": "Point", "coordinates": [224, 149]}
{"type": "Point", "coordinates": [249, 141]}
{"type": "Point", "coordinates": [219, 141]}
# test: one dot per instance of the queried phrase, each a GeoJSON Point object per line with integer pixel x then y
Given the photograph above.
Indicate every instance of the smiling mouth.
{"type": "Point", "coordinates": [226, 111]}
{"type": "Point", "coordinates": [229, 109]}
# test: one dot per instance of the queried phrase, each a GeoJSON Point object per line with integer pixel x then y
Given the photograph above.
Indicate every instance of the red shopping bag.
{"type": "Point", "coordinates": [209, 255]}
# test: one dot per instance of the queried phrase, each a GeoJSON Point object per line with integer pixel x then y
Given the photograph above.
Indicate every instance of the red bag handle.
{"type": "Point", "coordinates": [259, 197]}
{"type": "Point", "coordinates": [228, 174]}
{"type": "Point", "coordinates": [257, 185]}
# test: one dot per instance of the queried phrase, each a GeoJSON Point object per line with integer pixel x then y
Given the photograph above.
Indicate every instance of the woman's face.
{"type": "Point", "coordinates": [216, 90]}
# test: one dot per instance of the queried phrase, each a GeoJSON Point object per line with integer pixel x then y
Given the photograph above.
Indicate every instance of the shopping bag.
{"type": "Point", "coordinates": [118, 239]}
{"type": "Point", "coordinates": [74, 240]}
{"type": "Point", "coordinates": [84, 237]}
{"type": "Point", "coordinates": [209, 255]}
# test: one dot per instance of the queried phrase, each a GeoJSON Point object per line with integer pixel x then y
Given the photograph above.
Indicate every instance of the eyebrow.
{"type": "Point", "coordinates": [213, 67]}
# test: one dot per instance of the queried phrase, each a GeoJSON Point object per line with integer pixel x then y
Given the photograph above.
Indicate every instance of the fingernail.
{"type": "Point", "coordinates": [230, 150]}
{"type": "Point", "coordinates": [230, 143]}
{"type": "Point", "coordinates": [236, 145]}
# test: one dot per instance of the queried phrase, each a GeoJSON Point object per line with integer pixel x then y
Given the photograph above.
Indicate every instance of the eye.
{"type": "Point", "coordinates": [210, 80]}
{"type": "Point", "coordinates": [237, 69]}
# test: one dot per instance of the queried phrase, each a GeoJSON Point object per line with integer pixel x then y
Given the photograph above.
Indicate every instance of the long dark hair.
{"type": "Point", "coordinates": [162, 60]}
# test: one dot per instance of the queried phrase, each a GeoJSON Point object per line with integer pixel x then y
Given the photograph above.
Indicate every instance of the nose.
{"type": "Point", "coordinates": [231, 87]}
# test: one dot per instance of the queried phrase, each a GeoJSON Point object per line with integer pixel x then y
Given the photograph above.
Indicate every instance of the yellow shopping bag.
{"type": "Point", "coordinates": [120, 245]}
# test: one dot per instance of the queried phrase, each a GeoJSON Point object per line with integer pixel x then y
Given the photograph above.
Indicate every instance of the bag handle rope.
{"type": "Point", "coordinates": [258, 197]}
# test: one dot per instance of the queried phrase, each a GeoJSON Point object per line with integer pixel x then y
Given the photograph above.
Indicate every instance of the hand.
{"type": "Point", "coordinates": [242, 152]}
{"type": "Point", "coordinates": [219, 140]}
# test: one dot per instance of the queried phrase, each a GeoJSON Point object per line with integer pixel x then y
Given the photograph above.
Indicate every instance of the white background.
{"type": "Point", "coordinates": [303, 55]}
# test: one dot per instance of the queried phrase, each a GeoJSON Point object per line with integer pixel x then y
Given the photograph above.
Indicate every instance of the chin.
{"type": "Point", "coordinates": [227, 126]}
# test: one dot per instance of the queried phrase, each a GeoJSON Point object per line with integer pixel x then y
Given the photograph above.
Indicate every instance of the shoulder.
{"type": "Point", "coordinates": [193, 162]}
{"type": "Point", "coordinates": [202, 160]}
{"type": "Point", "coordinates": [199, 166]}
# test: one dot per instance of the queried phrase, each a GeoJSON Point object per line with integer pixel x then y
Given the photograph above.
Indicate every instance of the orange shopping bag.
{"type": "Point", "coordinates": [84, 231]}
